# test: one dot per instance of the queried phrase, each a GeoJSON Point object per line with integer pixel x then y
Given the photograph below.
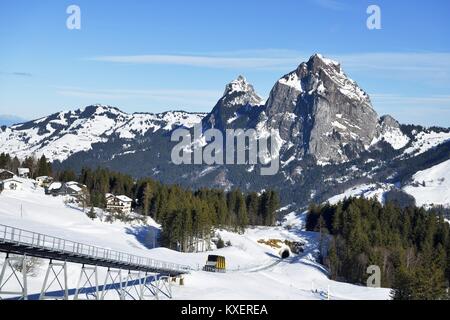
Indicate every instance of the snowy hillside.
{"type": "Point", "coordinates": [425, 141]}
{"type": "Point", "coordinates": [428, 187]}
{"type": "Point", "coordinates": [368, 191]}
{"type": "Point", "coordinates": [255, 270]}
{"type": "Point", "coordinates": [63, 134]}
{"type": "Point", "coordinates": [431, 186]}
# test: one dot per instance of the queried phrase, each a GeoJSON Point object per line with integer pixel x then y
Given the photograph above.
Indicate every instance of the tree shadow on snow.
{"type": "Point", "coordinates": [146, 235]}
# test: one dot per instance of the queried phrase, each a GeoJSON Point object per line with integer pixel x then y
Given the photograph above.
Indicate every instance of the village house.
{"type": "Point", "coordinates": [75, 189]}
{"type": "Point", "coordinates": [8, 181]}
{"type": "Point", "coordinates": [71, 188]}
{"type": "Point", "coordinates": [44, 181]}
{"type": "Point", "coordinates": [55, 189]}
{"type": "Point", "coordinates": [23, 173]}
{"type": "Point", "coordinates": [11, 184]}
{"type": "Point", "coordinates": [5, 175]}
{"type": "Point", "coordinates": [120, 203]}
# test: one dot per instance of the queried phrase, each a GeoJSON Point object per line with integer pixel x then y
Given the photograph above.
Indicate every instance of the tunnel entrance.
{"type": "Point", "coordinates": [285, 254]}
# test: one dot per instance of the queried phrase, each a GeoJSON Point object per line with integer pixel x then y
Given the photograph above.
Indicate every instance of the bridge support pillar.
{"type": "Point", "coordinates": [14, 274]}
{"type": "Point", "coordinates": [164, 286]}
{"type": "Point", "coordinates": [53, 277]}
{"type": "Point", "coordinates": [150, 288]}
{"type": "Point", "coordinates": [88, 279]}
{"type": "Point", "coordinates": [116, 283]}
{"type": "Point", "coordinates": [134, 286]}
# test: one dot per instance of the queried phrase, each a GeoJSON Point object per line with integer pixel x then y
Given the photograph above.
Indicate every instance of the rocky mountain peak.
{"type": "Point", "coordinates": [322, 112]}
{"type": "Point", "coordinates": [388, 121]}
{"type": "Point", "coordinates": [241, 92]}
{"type": "Point", "coordinates": [317, 62]}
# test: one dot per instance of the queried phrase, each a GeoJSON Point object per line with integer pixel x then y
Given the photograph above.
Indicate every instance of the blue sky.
{"type": "Point", "coordinates": [154, 56]}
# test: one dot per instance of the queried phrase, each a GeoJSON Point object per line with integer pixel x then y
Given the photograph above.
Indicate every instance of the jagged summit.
{"type": "Point", "coordinates": [241, 92]}
{"type": "Point", "coordinates": [325, 77]}
{"type": "Point", "coordinates": [318, 60]}
{"type": "Point", "coordinates": [238, 85]}
{"type": "Point", "coordinates": [322, 112]}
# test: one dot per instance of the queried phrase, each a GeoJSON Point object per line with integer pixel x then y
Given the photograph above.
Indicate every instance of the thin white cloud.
{"type": "Point", "coordinates": [220, 62]}
{"type": "Point", "coordinates": [426, 63]}
{"type": "Point", "coordinates": [404, 61]}
{"type": "Point", "coordinates": [405, 101]}
{"type": "Point", "coordinates": [426, 110]}
{"type": "Point", "coordinates": [199, 98]}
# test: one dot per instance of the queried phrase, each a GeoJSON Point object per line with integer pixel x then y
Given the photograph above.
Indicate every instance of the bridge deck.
{"type": "Point", "coordinates": [19, 241]}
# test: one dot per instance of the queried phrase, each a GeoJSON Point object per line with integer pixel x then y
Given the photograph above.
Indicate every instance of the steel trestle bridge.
{"type": "Point", "coordinates": [129, 276]}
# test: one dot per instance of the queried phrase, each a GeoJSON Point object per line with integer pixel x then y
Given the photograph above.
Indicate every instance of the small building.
{"type": "Point", "coordinates": [70, 188]}
{"type": "Point", "coordinates": [120, 203]}
{"type": "Point", "coordinates": [11, 184]}
{"type": "Point", "coordinates": [44, 181]}
{"type": "Point", "coordinates": [55, 189]}
{"type": "Point", "coordinates": [23, 173]}
{"type": "Point", "coordinates": [75, 189]}
{"type": "Point", "coordinates": [5, 174]}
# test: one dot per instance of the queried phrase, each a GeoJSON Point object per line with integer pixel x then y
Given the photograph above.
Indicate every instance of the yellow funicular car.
{"type": "Point", "coordinates": [215, 264]}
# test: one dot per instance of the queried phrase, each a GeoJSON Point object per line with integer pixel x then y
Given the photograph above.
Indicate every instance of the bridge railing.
{"type": "Point", "coordinates": [16, 236]}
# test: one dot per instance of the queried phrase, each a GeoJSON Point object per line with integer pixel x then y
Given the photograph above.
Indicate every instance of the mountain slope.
{"type": "Point", "coordinates": [431, 186]}
{"type": "Point", "coordinates": [66, 133]}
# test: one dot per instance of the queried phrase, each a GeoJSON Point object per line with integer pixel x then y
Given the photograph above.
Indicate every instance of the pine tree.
{"type": "Point", "coordinates": [44, 168]}
{"type": "Point", "coordinates": [147, 199]}
{"type": "Point", "coordinates": [253, 208]}
{"type": "Point", "coordinates": [241, 209]}
{"type": "Point", "coordinates": [91, 214]}
{"type": "Point", "coordinates": [402, 288]}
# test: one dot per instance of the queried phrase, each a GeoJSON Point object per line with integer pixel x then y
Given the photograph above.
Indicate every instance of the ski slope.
{"type": "Point", "coordinates": [254, 270]}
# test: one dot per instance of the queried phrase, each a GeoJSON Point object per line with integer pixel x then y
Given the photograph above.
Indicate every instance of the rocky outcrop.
{"type": "Point", "coordinates": [235, 108]}
{"type": "Point", "coordinates": [322, 112]}
{"type": "Point", "coordinates": [389, 130]}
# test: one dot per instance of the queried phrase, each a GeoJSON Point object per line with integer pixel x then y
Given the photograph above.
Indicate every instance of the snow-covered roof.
{"type": "Point", "coordinates": [4, 170]}
{"type": "Point", "coordinates": [11, 180]}
{"type": "Point", "coordinates": [124, 198]}
{"type": "Point", "coordinates": [23, 170]}
{"type": "Point", "coordinates": [75, 188]}
{"type": "Point", "coordinates": [74, 183]}
{"type": "Point", "coordinates": [55, 186]}
{"type": "Point", "coordinates": [43, 178]}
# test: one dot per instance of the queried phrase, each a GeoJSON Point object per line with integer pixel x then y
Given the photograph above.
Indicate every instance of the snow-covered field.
{"type": "Point", "coordinates": [254, 270]}
{"type": "Point", "coordinates": [368, 191]}
{"type": "Point", "coordinates": [426, 141]}
{"type": "Point", "coordinates": [431, 186]}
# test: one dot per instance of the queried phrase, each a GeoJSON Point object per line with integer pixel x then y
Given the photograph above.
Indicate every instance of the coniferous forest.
{"type": "Point", "coordinates": [410, 245]}
{"type": "Point", "coordinates": [186, 216]}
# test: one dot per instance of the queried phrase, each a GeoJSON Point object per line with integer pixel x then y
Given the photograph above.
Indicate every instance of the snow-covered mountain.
{"type": "Point", "coordinates": [327, 134]}
{"type": "Point", "coordinates": [63, 134]}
